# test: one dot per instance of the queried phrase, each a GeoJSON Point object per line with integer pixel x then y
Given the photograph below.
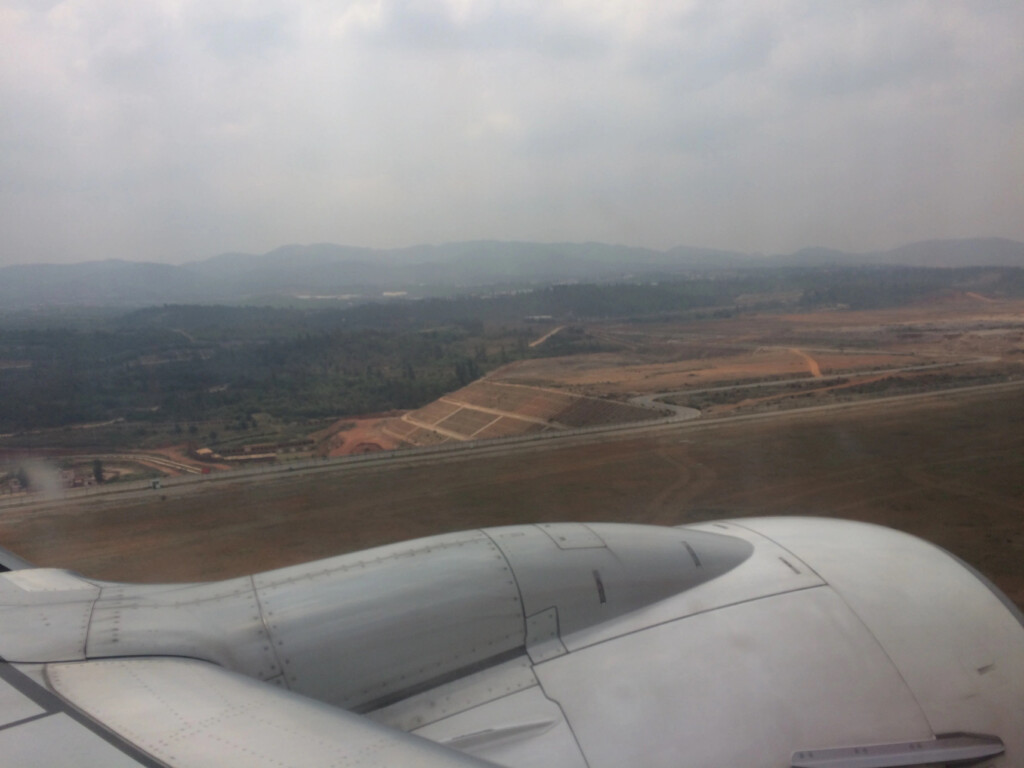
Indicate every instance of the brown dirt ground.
{"type": "Point", "coordinates": [950, 470]}
{"type": "Point", "coordinates": [363, 436]}
{"type": "Point", "coordinates": [180, 453]}
{"type": "Point", "coordinates": [689, 355]}
{"type": "Point", "coordinates": [609, 375]}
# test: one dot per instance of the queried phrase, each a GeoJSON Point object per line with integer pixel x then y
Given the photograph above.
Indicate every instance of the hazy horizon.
{"type": "Point", "coordinates": [754, 254]}
{"type": "Point", "coordinates": [176, 131]}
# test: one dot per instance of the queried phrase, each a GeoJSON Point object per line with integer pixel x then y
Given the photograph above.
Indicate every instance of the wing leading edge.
{"type": "Point", "coordinates": [192, 714]}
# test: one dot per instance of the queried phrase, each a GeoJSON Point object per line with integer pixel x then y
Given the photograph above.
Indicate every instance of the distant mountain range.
{"type": "Point", "coordinates": [337, 272]}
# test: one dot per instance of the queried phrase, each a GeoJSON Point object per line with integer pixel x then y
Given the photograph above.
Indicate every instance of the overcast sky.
{"type": "Point", "coordinates": [172, 130]}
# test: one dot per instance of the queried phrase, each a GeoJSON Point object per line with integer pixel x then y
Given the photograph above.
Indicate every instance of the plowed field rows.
{"type": "Point", "coordinates": [536, 403]}
{"type": "Point", "coordinates": [586, 412]}
{"type": "Point", "coordinates": [401, 428]}
{"type": "Point", "coordinates": [467, 421]}
{"type": "Point", "coordinates": [435, 412]}
{"type": "Point", "coordinates": [506, 426]}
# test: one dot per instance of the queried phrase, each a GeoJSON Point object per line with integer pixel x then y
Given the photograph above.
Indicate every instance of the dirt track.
{"type": "Point", "coordinates": [812, 364]}
{"type": "Point", "coordinates": [949, 469]}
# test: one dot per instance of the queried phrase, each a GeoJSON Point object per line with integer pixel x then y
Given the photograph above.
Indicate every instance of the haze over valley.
{"type": "Point", "coordinates": [327, 273]}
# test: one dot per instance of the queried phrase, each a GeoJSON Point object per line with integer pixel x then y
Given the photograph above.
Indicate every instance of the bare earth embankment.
{"type": "Point", "coordinates": [493, 408]}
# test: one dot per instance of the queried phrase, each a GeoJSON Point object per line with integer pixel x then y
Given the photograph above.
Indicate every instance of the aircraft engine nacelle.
{"type": "Point", "coordinates": [760, 642]}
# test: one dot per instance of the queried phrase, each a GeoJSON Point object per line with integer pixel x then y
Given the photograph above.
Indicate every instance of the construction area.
{"type": "Point", "coordinates": [488, 409]}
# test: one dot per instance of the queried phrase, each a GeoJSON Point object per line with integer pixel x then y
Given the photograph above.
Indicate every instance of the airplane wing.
{"type": "Point", "coordinates": [11, 562]}
{"type": "Point", "coordinates": [188, 714]}
{"type": "Point", "coordinates": [762, 642]}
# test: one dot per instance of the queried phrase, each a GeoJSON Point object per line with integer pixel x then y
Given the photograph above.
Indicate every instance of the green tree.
{"type": "Point", "coordinates": [97, 470]}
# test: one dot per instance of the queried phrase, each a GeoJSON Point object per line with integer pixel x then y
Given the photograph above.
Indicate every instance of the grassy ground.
{"type": "Point", "coordinates": [949, 470]}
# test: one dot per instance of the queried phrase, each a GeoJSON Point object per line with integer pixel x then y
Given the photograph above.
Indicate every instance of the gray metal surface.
{"type": "Point", "coordinates": [769, 570]}
{"type": "Point", "coordinates": [729, 643]}
{"type": "Point", "coordinates": [947, 750]}
{"type": "Point", "coordinates": [736, 687]}
{"type": "Point", "coordinates": [57, 740]}
{"type": "Point", "coordinates": [543, 639]}
{"type": "Point", "coordinates": [44, 614]}
{"type": "Point", "coordinates": [459, 695]}
{"type": "Point", "coordinates": [525, 729]}
{"type": "Point", "coordinates": [637, 566]}
{"type": "Point", "coordinates": [38, 729]}
{"type": "Point", "coordinates": [218, 622]}
{"type": "Point", "coordinates": [192, 714]}
{"type": "Point", "coordinates": [953, 641]}
{"type": "Point", "coordinates": [15, 706]}
{"type": "Point", "coordinates": [366, 630]}
{"type": "Point", "coordinates": [571, 535]}
{"type": "Point", "coordinates": [11, 562]}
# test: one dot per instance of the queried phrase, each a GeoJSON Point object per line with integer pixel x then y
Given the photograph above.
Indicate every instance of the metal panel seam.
{"type": "Point", "coordinates": [696, 613]}
{"type": "Point", "coordinates": [25, 720]}
{"type": "Point", "coordinates": [536, 684]}
{"type": "Point", "coordinates": [270, 636]}
{"type": "Point", "coordinates": [54, 703]}
{"type": "Point", "coordinates": [88, 626]}
{"type": "Point", "coordinates": [515, 579]}
{"type": "Point", "coordinates": [782, 547]}
{"type": "Point", "coordinates": [448, 677]}
{"type": "Point", "coordinates": [599, 536]}
{"type": "Point", "coordinates": [565, 719]}
{"type": "Point", "coordinates": [603, 545]}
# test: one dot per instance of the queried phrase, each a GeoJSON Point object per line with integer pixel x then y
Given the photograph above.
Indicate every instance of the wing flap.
{"type": "Point", "coordinates": [945, 750]}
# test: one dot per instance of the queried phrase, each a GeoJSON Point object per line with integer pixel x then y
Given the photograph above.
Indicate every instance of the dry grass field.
{"type": "Point", "coordinates": [697, 354]}
{"type": "Point", "coordinates": [949, 468]}
{"type": "Point", "coordinates": [491, 408]}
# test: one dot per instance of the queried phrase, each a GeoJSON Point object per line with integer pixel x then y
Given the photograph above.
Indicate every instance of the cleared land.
{"type": "Point", "coordinates": [490, 408]}
{"type": "Point", "coordinates": [843, 356]}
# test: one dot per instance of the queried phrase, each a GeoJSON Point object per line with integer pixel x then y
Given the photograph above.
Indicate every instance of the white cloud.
{"type": "Point", "coordinates": [174, 130]}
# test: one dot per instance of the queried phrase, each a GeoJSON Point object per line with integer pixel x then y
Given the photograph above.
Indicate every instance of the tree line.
{"type": "Point", "coordinates": [197, 363]}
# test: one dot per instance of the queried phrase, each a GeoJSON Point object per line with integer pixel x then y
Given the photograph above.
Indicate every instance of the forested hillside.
{"type": "Point", "coordinates": [190, 363]}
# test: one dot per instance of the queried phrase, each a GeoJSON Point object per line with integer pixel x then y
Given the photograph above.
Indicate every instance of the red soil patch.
{"type": "Point", "coordinates": [363, 436]}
